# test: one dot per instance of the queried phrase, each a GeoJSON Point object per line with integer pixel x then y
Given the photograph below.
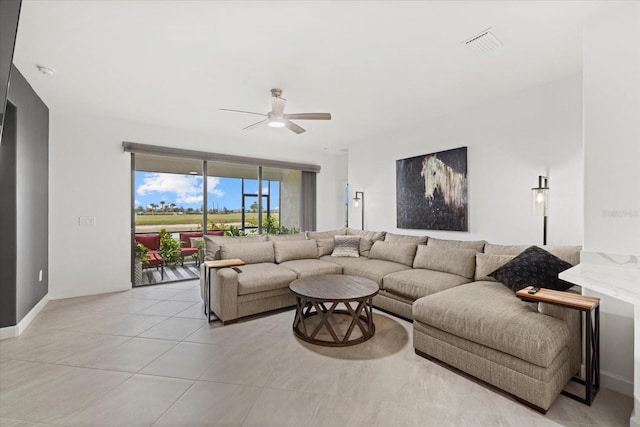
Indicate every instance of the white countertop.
{"type": "Point", "coordinates": [617, 282]}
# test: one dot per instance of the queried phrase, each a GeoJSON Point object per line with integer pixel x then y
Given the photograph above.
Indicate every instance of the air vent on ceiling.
{"type": "Point", "coordinates": [484, 42]}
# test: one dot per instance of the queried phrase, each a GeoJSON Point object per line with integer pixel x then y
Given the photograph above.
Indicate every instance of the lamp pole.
{"type": "Point", "coordinates": [359, 198]}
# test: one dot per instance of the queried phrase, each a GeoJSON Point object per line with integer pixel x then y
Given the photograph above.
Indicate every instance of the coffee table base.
{"type": "Point", "coordinates": [307, 330]}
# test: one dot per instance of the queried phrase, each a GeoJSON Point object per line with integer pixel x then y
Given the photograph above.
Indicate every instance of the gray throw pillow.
{"type": "Point", "coordinates": [347, 246]}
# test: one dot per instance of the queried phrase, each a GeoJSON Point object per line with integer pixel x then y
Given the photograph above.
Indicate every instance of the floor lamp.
{"type": "Point", "coordinates": [357, 201]}
{"type": "Point", "coordinates": [540, 203]}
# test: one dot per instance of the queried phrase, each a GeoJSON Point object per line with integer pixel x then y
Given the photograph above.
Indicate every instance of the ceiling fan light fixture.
{"type": "Point", "coordinates": [275, 123]}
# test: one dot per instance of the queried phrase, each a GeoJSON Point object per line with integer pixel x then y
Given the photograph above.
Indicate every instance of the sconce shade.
{"type": "Point", "coordinates": [540, 198]}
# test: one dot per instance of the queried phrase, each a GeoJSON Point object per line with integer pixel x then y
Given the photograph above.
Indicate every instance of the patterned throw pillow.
{"type": "Point", "coordinates": [533, 267]}
{"type": "Point", "coordinates": [346, 246]}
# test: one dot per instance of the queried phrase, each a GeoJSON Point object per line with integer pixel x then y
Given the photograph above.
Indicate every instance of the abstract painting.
{"type": "Point", "coordinates": [431, 191]}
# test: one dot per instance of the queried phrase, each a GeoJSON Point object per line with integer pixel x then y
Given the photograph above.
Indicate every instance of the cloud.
{"type": "Point", "coordinates": [187, 188]}
{"type": "Point", "coordinates": [212, 183]}
{"type": "Point", "coordinates": [136, 203]}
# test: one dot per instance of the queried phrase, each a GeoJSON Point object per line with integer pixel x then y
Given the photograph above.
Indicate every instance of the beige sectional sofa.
{"type": "Point", "coordinates": [462, 316]}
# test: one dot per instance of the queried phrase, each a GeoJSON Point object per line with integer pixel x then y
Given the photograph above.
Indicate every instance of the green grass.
{"type": "Point", "coordinates": [170, 219]}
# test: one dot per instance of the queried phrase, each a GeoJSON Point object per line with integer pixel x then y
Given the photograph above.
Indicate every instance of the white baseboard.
{"type": "Point", "coordinates": [616, 382]}
{"type": "Point", "coordinates": [14, 331]}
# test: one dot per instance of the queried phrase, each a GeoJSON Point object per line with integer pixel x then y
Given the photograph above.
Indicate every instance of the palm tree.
{"type": "Point", "coordinates": [172, 207]}
{"type": "Point", "coordinates": [162, 203]}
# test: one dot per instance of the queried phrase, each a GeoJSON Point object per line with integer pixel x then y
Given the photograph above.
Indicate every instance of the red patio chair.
{"type": "Point", "coordinates": [152, 242]}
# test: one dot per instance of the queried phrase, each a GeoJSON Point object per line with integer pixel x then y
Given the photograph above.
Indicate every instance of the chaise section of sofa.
{"type": "Point", "coordinates": [528, 349]}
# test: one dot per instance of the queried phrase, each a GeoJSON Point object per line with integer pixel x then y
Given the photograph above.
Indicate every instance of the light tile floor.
{"type": "Point", "coordinates": [148, 357]}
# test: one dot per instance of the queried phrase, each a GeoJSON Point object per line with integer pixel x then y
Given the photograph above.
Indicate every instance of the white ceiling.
{"type": "Point", "coordinates": [376, 66]}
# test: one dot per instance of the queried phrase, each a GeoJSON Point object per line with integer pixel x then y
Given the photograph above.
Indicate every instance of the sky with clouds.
{"type": "Point", "coordinates": [186, 190]}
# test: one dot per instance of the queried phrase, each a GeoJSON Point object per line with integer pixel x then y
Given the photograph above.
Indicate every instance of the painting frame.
{"type": "Point", "coordinates": [432, 191]}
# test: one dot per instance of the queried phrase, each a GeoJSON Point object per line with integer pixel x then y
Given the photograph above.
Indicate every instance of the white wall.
{"type": "Point", "coordinates": [90, 177]}
{"type": "Point", "coordinates": [611, 70]}
{"type": "Point", "coordinates": [510, 140]}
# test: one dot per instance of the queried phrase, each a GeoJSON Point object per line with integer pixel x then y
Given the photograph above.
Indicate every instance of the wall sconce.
{"type": "Point", "coordinates": [357, 201]}
{"type": "Point", "coordinates": [540, 203]}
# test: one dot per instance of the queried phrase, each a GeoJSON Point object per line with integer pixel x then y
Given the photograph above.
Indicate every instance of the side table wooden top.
{"type": "Point", "coordinates": [219, 263]}
{"type": "Point", "coordinates": [568, 299]}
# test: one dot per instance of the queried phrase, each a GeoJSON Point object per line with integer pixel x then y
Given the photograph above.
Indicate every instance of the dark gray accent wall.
{"type": "Point", "coordinates": [31, 140]}
{"type": "Point", "coordinates": [8, 220]}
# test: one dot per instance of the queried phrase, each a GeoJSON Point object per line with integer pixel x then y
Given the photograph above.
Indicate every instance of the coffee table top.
{"type": "Point", "coordinates": [334, 287]}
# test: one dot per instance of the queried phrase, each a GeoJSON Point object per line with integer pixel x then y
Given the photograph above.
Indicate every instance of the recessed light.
{"type": "Point", "coordinates": [193, 173]}
{"type": "Point", "coordinates": [45, 70]}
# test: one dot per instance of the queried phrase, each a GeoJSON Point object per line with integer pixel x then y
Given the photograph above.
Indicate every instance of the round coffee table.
{"type": "Point", "coordinates": [317, 313]}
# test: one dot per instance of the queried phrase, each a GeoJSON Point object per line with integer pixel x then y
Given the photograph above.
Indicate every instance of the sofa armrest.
{"type": "Point", "coordinates": [573, 319]}
{"type": "Point", "coordinates": [224, 292]}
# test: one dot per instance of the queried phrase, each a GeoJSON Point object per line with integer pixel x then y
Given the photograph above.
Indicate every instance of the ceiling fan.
{"type": "Point", "coordinates": [276, 117]}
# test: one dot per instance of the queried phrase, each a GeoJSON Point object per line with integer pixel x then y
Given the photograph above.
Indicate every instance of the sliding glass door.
{"type": "Point", "coordinates": [173, 206]}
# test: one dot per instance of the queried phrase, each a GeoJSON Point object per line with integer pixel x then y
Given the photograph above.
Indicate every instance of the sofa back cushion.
{"type": "Point", "coordinates": [325, 246]}
{"type": "Point", "coordinates": [487, 264]}
{"type": "Point", "coordinates": [253, 253]}
{"type": "Point", "coordinates": [150, 241]}
{"type": "Point", "coordinates": [212, 244]}
{"type": "Point", "coordinates": [476, 245]}
{"type": "Point", "coordinates": [570, 254]}
{"type": "Point", "coordinates": [295, 249]}
{"type": "Point", "coordinates": [346, 246]}
{"type": "Point", "coordinates": [326, 234]}
{"type": "Point", "coordinates": [405, 238]}
{"type": "Point", "coordinates": [461, 262]}
{"type": "Point", "coordinates": [402, 253]}
{"type": "Point", "coordinates": [286, 237]}
{"type": "Point", "coordinates": [367, 238]}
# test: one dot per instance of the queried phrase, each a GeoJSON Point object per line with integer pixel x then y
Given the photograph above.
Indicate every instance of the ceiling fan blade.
{"type": "Point", "coordinates": [277, 105]}
{"type": "Point", "coordinates": [294, 127]}
{"type": "Point", "coordinates": [309, 116]}
{"type": "Point", "coordinates": [240, 111]}
{"type": "Point", "coordinates": [255, 125]}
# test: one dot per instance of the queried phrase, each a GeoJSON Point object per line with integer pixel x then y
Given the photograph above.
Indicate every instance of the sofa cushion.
{"type": "Point", "coordinates": [367, 238]}
{"type": "Point", "coordinates": [325, 246]}
{"type": "Point", "coordinates": [212, 243]}
{"type": "Point", "coordinates": [402, 253]}
{"type": "Point", "coordinates": [461, 262]}
{"type": "Point", "coordinates": [345, 261]}
{"type": "Point", "coordinates": [287, 237]}
{"type": "Point", "coordinates": [374, 269]}
{"type": "Point", "coordinates": [254, 253]}
{"type": "Point", "coordinates": [533, 267]}
{"type": "Point", "coordinates": [570, 254]}
{"type": "Point", "coordinates": [404, 238]}
{"type": "Point", "coordinates": [487, 313]}
{"type": "Point", "coordinates": [346, 246]}
{"type": "Point", "coordinates": [417, 283]}
{"type": "Point", "coordinates": [326, 234]}
{"type": "Point", "coordinates": [312, 267]}
{"type": "Point", "coordinates": [263, 277]}
{"type": "Point", "coordinates": [487, 264]}
{"type": "Point", "coordinates": [298, 249]}
{"type": "Point", "coordinates": [476, 245]}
